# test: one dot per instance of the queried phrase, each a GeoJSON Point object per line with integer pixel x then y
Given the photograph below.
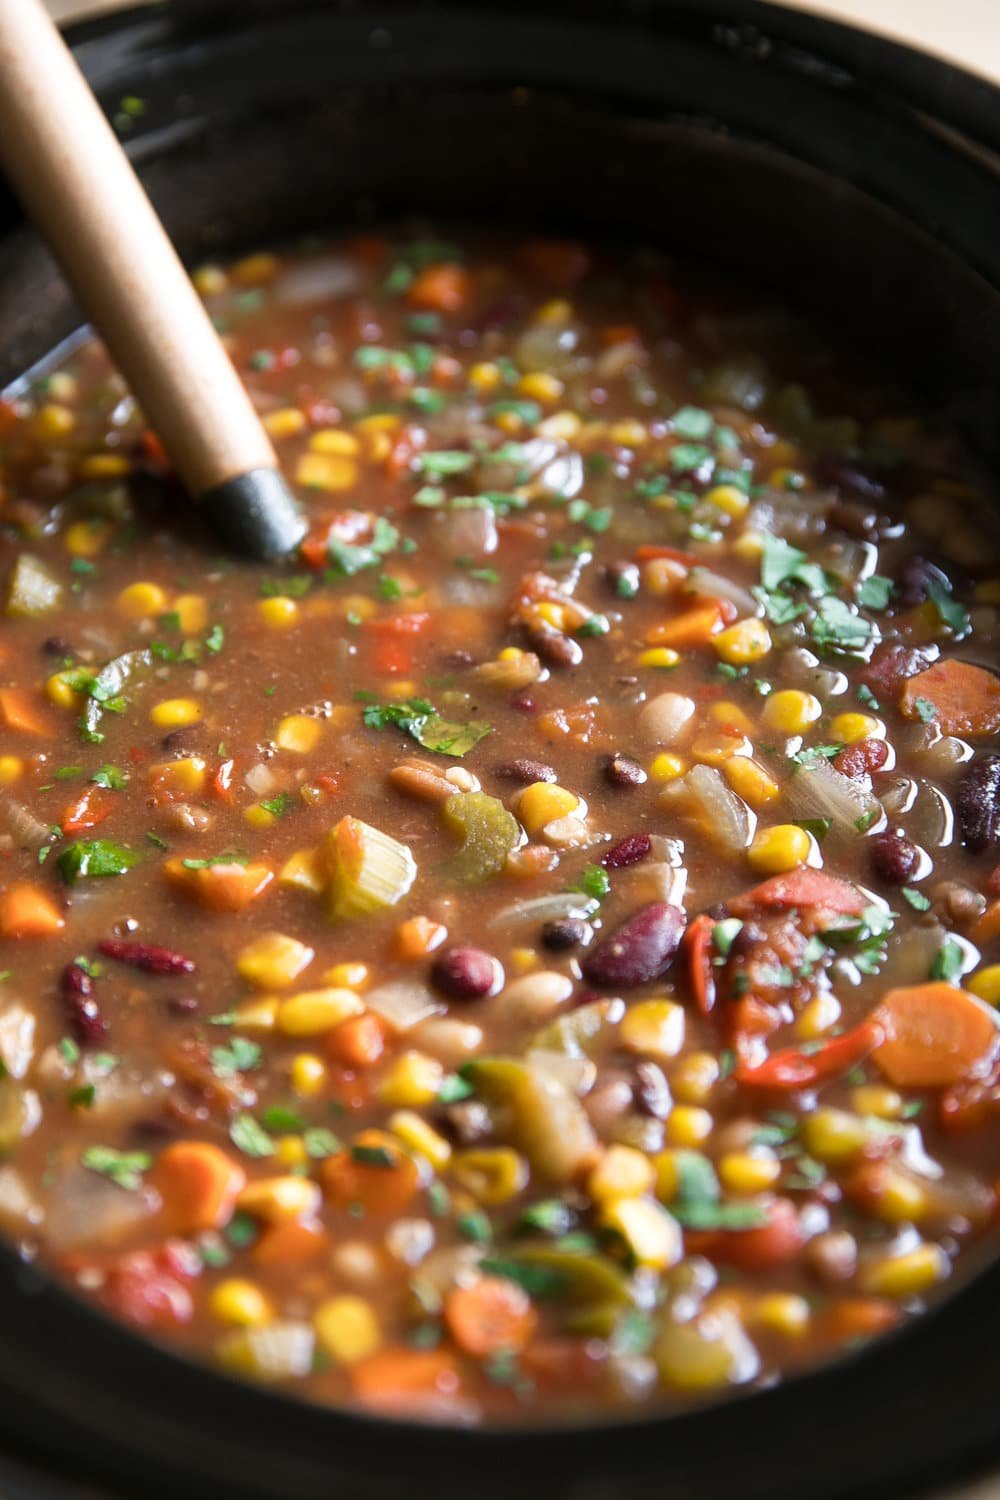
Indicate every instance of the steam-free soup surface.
{"type": "Point", "coordinates": [536, 954]}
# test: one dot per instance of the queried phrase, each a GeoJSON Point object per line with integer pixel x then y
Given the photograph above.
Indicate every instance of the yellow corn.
{"type": "Point", "coordinates": [743, 643]}
{"type": "Point", "coordinates": [174, 713]}
{"type": "Point", "coordinates": [654, 1028]}
{"type": "Point", "coordinates": [241, 1303]}
{"type": "Point", "coordinates": [523, 960]}
{"type": "Point", "coordinates": [279, 612]}
{"type": "Point", "coordinates": [347, 1329]}
{"type": "Point", "coordinates": [629, 433]}
{"type": "Point", "coordinates": [749, 780]}
{"type": "Point", "coordinates": [280, 1199]}
{"type": "Point", "coordinates": [88, 538]}
{"type": "Point", "coordinates": [314, 1011]}
{"type": "Point", "coordinates": [59, 690]}
{"type": "Point", "coordinates": [749, 546]}
{"type": "Point", "coordinates": [332, 472]}
{"type": "Point", "coordinates": [715, 747]}
{"type": "Point", "coordinates": [539, 385]}
{"type": "Point", "coordinates": [492, 1174]}
{"type": "Point", "coordinates": [562, 425]}
{"type": "Point", "coordinates": [729, 498]}
{"type": "Point", "coordinates": [290, 1151]}
{"type": "Point", "coordinates": [412, 1079]}
{"type": "Point", "coordinates": [351, 975]}
{"type": "Point", "coordinates": [731, 716]}
{"type": "Point", "coordinates": [851, 727]}
{"type": "Point", "coordinates": [298, 733]}
{"type": "Point", "coordinates": [662, 657]}
{"type": "Point", "coordinates": [791, 711]}
{"type": "Point", "coordinates": [11, 769]}
{"type": "Point", "coordinates": [833, 1135]}
{"type": "Point", "coordinates": [192, 611]}
{"type": "Point", "coordinates": [285, 422]}
{"type": "Point", "coordinates": [688, 1125]}
{"type": "Point", "coordinates": [256, 1015]}
{"type": "Point", "coordinates": [908, 1275]}
{"type": "Point", "coordinates": [105, 466]}
{"type": "Point", "coordinates": [307, 1074]}
{"type": "Point", "coordinates": [305, 870]}
{"type": "Point", "coordinates": [782, 1312]}
{"type": "Point", "coordinates": [898, 1199]}
{"type": "Point", "coordinates": [818, 1016]}
{"type": "Point", "coordinates": [209, 281]}
{"type": "Point", "coordinates": [985, 983]}
{"type": "Point", "coordinates": [652, 1236]}
{"type": "Point", "coordinates": [705, 1354]}
{"type": "Point", "coordinates": [779, 848]}
{"type": "Point", "coordinates": [332, 440]}
{"type": "Point", "coordinates": [661, 576]}
{"type": "Point", "coordinates": [53, 421]}
{"type": "Point", "coordinates": [878, 1100]}
{"type": "Point", "coordinates": [184, 775]}
{"type": "Point", "coordinates": [253, 269]}
{"type": "Point", "coordinates": [141, 600]}
{"type": "Point", "coordinates": [666, 767]}
{"type": "Point", "coordinates": [273, 961]}
{"type": "Point", "coordinates": [418, 1136]}
{"type": "Point", "coordinates": [743, 1172]}
{"type": "Point", "coordinates": [553, 614]}
{"type": "Point", "coordinates": [622, 1172]}
{"type": "Point", "coordinates": [543, 802]}
{"type": "Point", "coordinates": [667, 1166]}
{"type": "Point", "coordinates": [485, 376]}
{"type": "Point", "coordinates": [557, 310]}
{"type": "Point", "coordinates": [694, 1077]}
{"type": "Point", "coordinates": [258, 816]}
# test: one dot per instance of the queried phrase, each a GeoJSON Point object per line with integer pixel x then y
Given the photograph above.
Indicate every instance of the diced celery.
{"type": "Point", "coordinates": [489, 833]}
{"type": "Point", "coordinates": [369, 870]}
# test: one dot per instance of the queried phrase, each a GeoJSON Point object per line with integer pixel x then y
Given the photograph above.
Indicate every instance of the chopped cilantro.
{"type": "Point", "coordinates": [949, 961]}
{"type": "Point", "coordinates": [240, 1056]}
{"type": "Point", "coordinates": [94, 857]}
{"type": "Point", "coordinates": [277, 1117]}
{"type": "Point", "coordinates": [686, 458]}
{"type": "Point", "coordinates": [537, 1281]}
{"type": "Point", "coordinates": [551, 1216]}
{"type": "Point", "coordinates": [111, 777]}
{"type": "Point", "coordinates": [123, 1168]}
{"type": "Point", "coordinates": [818, 827]}
{"type": "Point", "coordinates": [373, 1156]}
{"type": "Point", "coordinates": [319, 1142]}
{"type": "Point", "coordinates": [916, 898]}
{"type": "Point", "coordinates": [926, 710]}
{"type": "Point", "coordinates": [692, 422]}
{"type": "Point", "coordinates": [420, 720]}
{"type": "Point", "coordinates": [875, 592]}
{"type": "Point", "coordinates": [592, 882]}
{"type": "Point", "coordinates": [250, 1137]}
{"type": "Point", "coordinates": [349, 558]}
{"type": "Point", "coordinates": [279, 806]}
{"type": "Point", "coordinates": [475, 1226]}
{"type": "Point", "coordinates": [724, 934]}
{"type": "Point", "coordinates": [454, 1089]}
{"type": "Point", "coordinates": [445, 462]}
{"type": "Point", "coordinates": [953, 614]}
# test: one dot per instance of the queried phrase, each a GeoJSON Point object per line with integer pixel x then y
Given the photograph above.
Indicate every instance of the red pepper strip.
{"type": "Point", "coordinates": [801, 889]}
{"type": "Point", "coordinates": [222, 781]}
{"type": "Point", "coordinates": [794, 1069]}
{"type": "Point", "coordinates": [698, 942]}
{"type": "Point", "coordinates": [648, 551]}
{"type": "Point", "coordinates": [90, 808]}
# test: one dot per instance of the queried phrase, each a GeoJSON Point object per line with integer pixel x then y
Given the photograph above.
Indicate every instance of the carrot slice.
{"type": "Point", "coordinates": [489, 1315]}
{"type": "Point", "coordinates": [988, 926]}
{"type": "Point", "coordinates": [803, 889]}
{"type": "Point", "coordinates": [293, 1243]}
{"type": "Point", "coordinates": [858, 1318]}
{"type": "Point", "coordinates": [357, 1043]}
{"type": "Point", "coordinates": [405, 1379]}
{"type": "Point", "coordinates": [220, 887]}
{"type": "Point", "coordinates": [698, 944]}
{"type": "Point", "coordinates": [441, 288]}
{"type": "Point", "coordinates": [28, 911]}
{"type": "Point", "coordinates": [199, 1185]}
{"type": "Point", "coordinates": [966, 698]}
{"type": "Point", "coordinates": [374, 1173]}
{"type": "Point", "coordinates": [19, 711]}
{"type": "Point", "coordinates": [90, 808]}
{"type": "Point", "coordinates": [694, 627]}
{"type": "Point", "coordinates": [935, 1035]}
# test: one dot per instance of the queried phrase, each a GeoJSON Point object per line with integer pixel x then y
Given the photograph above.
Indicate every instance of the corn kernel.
{"type": "Point", "coordinates": [298, 733]}
{"type": "Point", "coordinates": [185, 775]}
{"type": "Point", "coordinates": [314, 1011]}
{"type": "Point", "coordinates": [273, 961]}
{"type": "Point", "coordinates": [731, 716]}
{"type": "Point", "coordinates": [59, 689]}
{"type": "Point", "coordinates": [347, 1329]}
{"type": "Point", "coordinates": [492, 1174]}
{"type": "Point", "coordinates": [715, 747]}
{"type": "Point", "coordinates": [522, 960]}
{"type": "Point", "coordinates": [750, 781]}
{"type": "Point", "coordinates": [53, 421]}
{"type": "Point", "coordinates": [743, 643]}
{"type": "Point", "coordinates": [878, 1100]}
{"type": "Point", "coordinates": [279, 612]}
{"type": "Point", "coordinates": [88, 538]}
{"type": "Point", "coordinates": [240, 1303]}
{"type": "Point", "coordinates": [539, 385]}
{"type": "Point", "coordinates": [833, 1135]}
{"type": "Point", "coordinates": [817, 1017]}
{"type": "Point", "coordinates": [258, 816]}
{"type": "Point", "coordinates": [704, 1354]}
{"type": "Point", "coordinates": [694, 1077]}
{"type": "Point", "coordinates": [253, 269]}
{"type": "Point", "coordinates": [668, 1168]}
{"type": "Point", "coordinates": [290, 1151]}
{"type": "Point", "coordinates": [105, 466]}
{"type": "Point", "coordinates": [411, 1080]}
{"type": "Point", "coordinates": [280, 1199]}
{"type": "Point", "coordinates": [256, 1015]}
{"type": "Point", "coordinates": [849, 728]}
{"type": "Point", "coordinates": [730, 499]}
{"type": "Point", "coordinates": [791, 711]}
{"type": "Point", "coordinates": [350, 975]}
{"type": "Point", "coordinates": [333, 441]}
{"type": "Point", "coordinates": [654, 1028]}
{"type": "Point", "coordinates": [622, 1172]}
{"type": "Point", "coordinates": [174, 713]}
{"type": "Point", "coordinates": [553, 614]}
{"type": "Point", "coordinates": [779, 848]}
{"type": "Point", "coordinates": [749, 547]}
{"type": "Point", "coordinates": [544, 801]}
{"type": "Point", "coordinates": [908, 1275]}
{"type": "Point", "coordinates": [985, 983]}
{"type": "Point", "coordinates": [653, 1236]}
{"type": "Point", "coordinates": [555, 311]}
{"type": "Point", "coordinates": [485, 376]}
{"type": "Point", "coordinates": [332, 472]}
{"type": "Point", "coordinates": [782, 1312]}
{"type": "Point", "coordinates": [210, 281]}
{"type": "Point", "coordinates": [307, 1074]}
{"type": "Point", "coordinates": [141, 600]}
{"type": "Point", "coordinates": [285, 422]}
{"type": "Point", "coordinates": [418, 1136]}
{"type": "Point", "coordinates": [11, 769]}
{"type": "Point", "coordinates": [192, 612]}
{"type": "Point", "coordinates": [663, 657]}
{"type": "Point", "coordinates": [666, 767]}
{"type": "Point", "coordinates": [629, 433]}
{"type": "Point", "coordinates": [688, 1125]}
{"type": "Point", "coordinates": [897, 1199]}
{"type": "Point", "coordinates": [743, 1172]}
{"type": "Point", "coordinates": [562, 425]}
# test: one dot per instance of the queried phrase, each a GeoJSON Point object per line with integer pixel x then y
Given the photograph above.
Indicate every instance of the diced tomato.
{"type": "Point", "coordinates": [149, 1288]}
{"type": "Point", "coordinates": [91, 807]}
{"type": "Point", "coordinates": [772, 1244]}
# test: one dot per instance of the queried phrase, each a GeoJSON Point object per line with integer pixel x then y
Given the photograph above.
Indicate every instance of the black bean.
{"type": "Point", "coordinates": [627, 851]}
{"type": "Point", "coordinates": [978, 803]}
{"type": "Point", "coordinates": [57, 645]}
{"type": "Point", "coordinates": [640, 950]}
{"type": "Point", "coordinates": [524, 771]}
{"type": "Point", "coordinates": [916, 578]}
{"type": "Point", "coordinates": [854, 520]}
{"type": "Point", "coordinates": [894, 858]}
{"type": "Point", "coordinates": [651, 1091]}
{"type": "Point", "coordinates": [466, 973]}
{"type": "Point", "coordinates": [848, 479]}
{"type": "Point", "coordinates": [622, 770]}
{"type": "Point", "coordinates": [564, 933]}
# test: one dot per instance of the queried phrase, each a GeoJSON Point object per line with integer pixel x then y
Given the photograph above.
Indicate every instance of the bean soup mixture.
{"type": "Point", "coordinates": [537, 954]}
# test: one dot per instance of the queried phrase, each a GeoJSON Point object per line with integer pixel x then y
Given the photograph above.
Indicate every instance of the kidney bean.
{"type": "Point", "coordinates": [183, 1005]}
{"type": "Point", "coordinates": [56, 645]}
{"type": "Point", "coordinates": [914, 580]}
{"type": "Point", "coordinates": [862, 758]}
{"type": "Point", "coordinates": [524, 771]}
{"type": "Point", "coordinates": [627, 851]}
{"type": "Point", "coordinates": [564, 933]}
{"type": "Point", "coordinates": [553, 647]}
{"type": "Point", "coordinates": [978, 803]}
{"type": "Point", "coordinates": [845, 477]}
{"type": "Point", "coordinates": [147, 956]}
{"type": "Point", "coordinates": [894, 858]}
{"type": "Point", "coordinates": [466, 973]}
{"type": "Point", "coordinates": [855, 520]}
{"type": "Point", "coordinates": [86, 1023]}
{"type": "Point", "coordinates": [525, 702]}
{"type": "Point", "coordinates": [890, 667]}
{"type": "Point", "coordinates": [622, 770]}
{"type": "Point", "coordinates": [640, 950]}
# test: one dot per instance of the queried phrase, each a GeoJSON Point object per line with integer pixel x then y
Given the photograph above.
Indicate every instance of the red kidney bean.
{"type": "Point", "coordinates": [553, 647]}
{"type": "Point", "coordinates": [525, 702]}
{"type": "Point", "coordinates": [894, 858]}
{"type": "Point", "coordinates": [466, 973]}
{"type": "Point", "coordinates": [627, 851]}
{"type": "Point", "coordinates": [978, 803]}
{"type": "Point", "coordinates": [914, 581]}
{"type": "Point", "coordinates": [86, 1023]}
{"type": "Point", "coordinates": [862, 759]}
{"type": "Point", "coordinates": [183, 1005]}
{"type": "Point", "coordinates": [147, 956]}
{"type": "Point", "coordinates": [565, 933]}
{"type": "Point", "coordinates": [622, 770]}
{"type": "Point", "coordinates": [640, 950]}
{"type": "Point", "coordinates": [524, 771]}
{"type": "Point", "coordinates": [890, 667]}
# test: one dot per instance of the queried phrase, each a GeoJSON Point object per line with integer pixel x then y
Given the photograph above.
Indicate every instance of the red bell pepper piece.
{"type": "Point", "coordinates": [91, 807]}
{"type": "Point", "coordinates": [222, 781]}
{"type": "Point", "coordinates": [793, 1068]}
{"type": "Point", "coordinates": [698, 944]}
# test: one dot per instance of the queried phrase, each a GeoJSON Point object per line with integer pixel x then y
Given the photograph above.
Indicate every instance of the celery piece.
{"type": "Point", "coordinates": [368, 869]}
{"type": "Point", "coordinates": [489, 833]}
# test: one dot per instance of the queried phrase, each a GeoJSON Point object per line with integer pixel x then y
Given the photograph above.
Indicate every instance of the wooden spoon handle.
{"type": "Point", "coordinates": [68, 168]}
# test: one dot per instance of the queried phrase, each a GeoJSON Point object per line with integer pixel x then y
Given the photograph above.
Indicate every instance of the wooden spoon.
{"type": "Point", "coordinates": [65, 163]}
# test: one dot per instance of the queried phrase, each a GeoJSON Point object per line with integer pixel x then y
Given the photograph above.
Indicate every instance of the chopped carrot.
{"type": "Point", "coordinates": [198, 1184]}
{"type": "Point", "coordinates": [858, 1318]}
{"type": "Point", "coordinates": [400, 1380]}
{"type": "Point", "coordinates": [649, 551]}
{"type": "Point", "coordinates": [935, 1035]}
{"type": "Point", "coordinates": [357, 1043]}
{"type": "Point", "coordinates": [28, 911]}
{"type": "Point", "coordinates": [772, 1244]}
{"type": "Point", "coordinates": [698, 946]}
{"type": "Point", "coordinates": [391, 658]}
{"type": "Point", "coordinates": [441, 288]}
{"type": "Point", "coordinates": [91, 807]}
{"type": "Point", "coordinates": [314, 549]}
{"type": "Point", "coordinates": [403, 624]}
{"type": "Point", "coordinates": [804, 889]}
{"type": "Point", "coordinates": [695, 627]}
{"type": "Point", "coordinates": [293, 1243]}
{"type": "Point", "coordinates": [489, 1315]}
{"type": "Point", "coordinates": [223, 887]}
{"type": "Point", "coordinates": [373, 1172]}
{"type": "Point", "coordinates": [988, 926]}
{"type": "Point", "coordinates": [966, 699]}
{"type": "Point", "coordinates": [20, 712]}
{"type": "Point", "coordinates": [418, 936]}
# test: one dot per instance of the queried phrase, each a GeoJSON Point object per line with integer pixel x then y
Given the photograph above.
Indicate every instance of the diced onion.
{"type": "Point", "coordinates": [704, 797]}
{"type": "Point", "coordinates": [319, 280]}
{"type": "Point", "coordinates": [818, 791]}
{"type": "Point", "coordinates": [403, 1003]}
{"type": "Point", "coordinates": [703, 581]}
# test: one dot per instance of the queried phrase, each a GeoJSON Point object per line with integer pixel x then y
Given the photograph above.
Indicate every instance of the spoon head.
{"type": "Point", "coordinates": [255, 515]}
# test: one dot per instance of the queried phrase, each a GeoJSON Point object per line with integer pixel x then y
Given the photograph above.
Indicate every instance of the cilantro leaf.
{"type": "Point", "coordinates": [349, 558]}
{"type": "Point", "coordinates": [123, 1168]}
{"type": "Point", "coordinates": [250, 1137]}
{"type": "Point", "coordinates": [949, 961]}
{"type": "Point", "coordinates": [953, 614]}
{"type": "Point", "coordinates": [420, 720]}
{"type": "Point", "coordinates": [90, 857]}
{"type": "Point", "coordinates": [875, 592]}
